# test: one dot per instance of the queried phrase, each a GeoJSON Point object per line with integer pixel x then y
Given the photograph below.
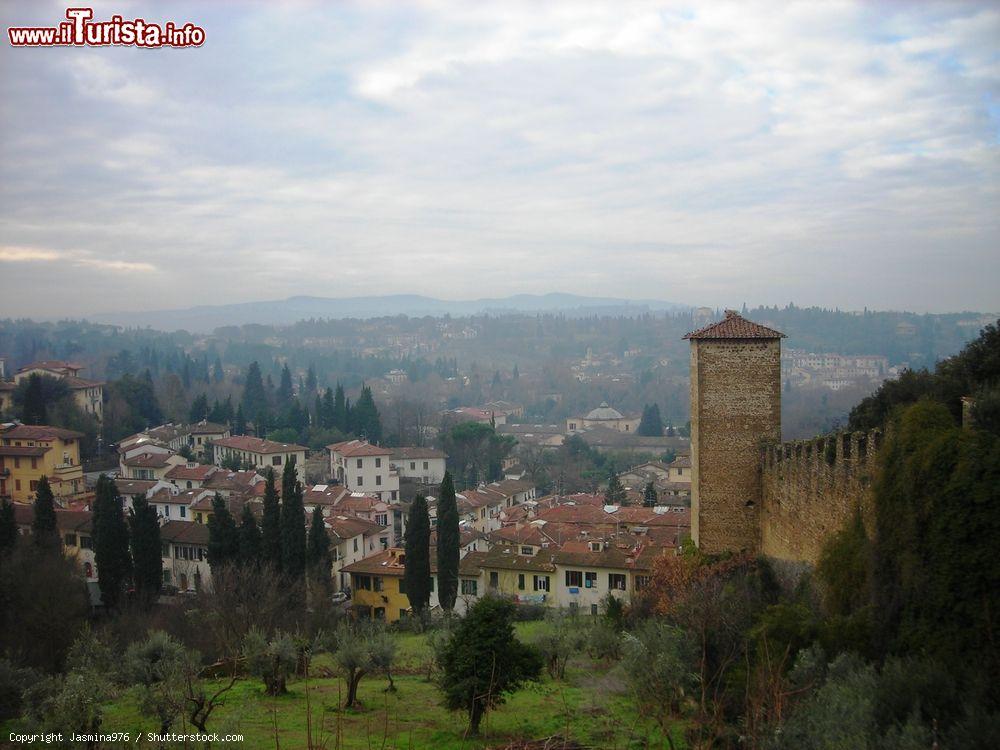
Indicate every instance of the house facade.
{"type": "Point", "coordinates": [29, 452]}
{"type": "Point", "coordinates": [88, 394]}
{"type": "Point", "coordinates": [260, 454]}
{"type": "Point", "coordinates": [363, 467]}
{"type": "Point", "coordinates": [423, 465]}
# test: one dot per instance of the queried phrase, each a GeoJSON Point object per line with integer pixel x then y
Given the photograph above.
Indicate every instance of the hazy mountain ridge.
{"type": "Point", "coordinates": [205, 318]}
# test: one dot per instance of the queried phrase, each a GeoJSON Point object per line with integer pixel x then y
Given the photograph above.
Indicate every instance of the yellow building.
{"type": "Point", "coordinates": [524, 578]}
{"type": "Point", "coordinates": [88, 394]}
{"type": "Point", "coordinates": [377, 582]}
{"type": "Point", "coordinates": [29, 452]}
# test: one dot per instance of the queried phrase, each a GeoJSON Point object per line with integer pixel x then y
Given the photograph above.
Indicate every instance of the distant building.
{"type": "Point", "coordinates": [603, 416]}
{"type": "Point", "coordinates": [396, 377]}
{"type": "Point", "coordinates": [88, 394]}
{"type": "Point", "coordinates": [6, 398]}
{"type": "Point", "coordinates": [507, 408]}
{"type": "Point", "coordinates": [540, 435]}
{"type": "Point", "coordinates": [473, 414]}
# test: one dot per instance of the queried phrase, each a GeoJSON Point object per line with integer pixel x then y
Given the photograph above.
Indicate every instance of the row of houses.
{"type": "Point", "coordinates": [573, 577]}
{"type": "Point", "coordinates": [557, 552]}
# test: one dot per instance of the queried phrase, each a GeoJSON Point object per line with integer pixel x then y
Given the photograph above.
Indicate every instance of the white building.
{"type": "Point", "coordinates": [363, 467]}
{"type": "Point", "coordinates": [424, 465]}
{"type": "Point", "coordinates": [259, 454]}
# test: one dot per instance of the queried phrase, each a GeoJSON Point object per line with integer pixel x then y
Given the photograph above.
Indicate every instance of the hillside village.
{"type": "Point", "coordinates": [504, 523]}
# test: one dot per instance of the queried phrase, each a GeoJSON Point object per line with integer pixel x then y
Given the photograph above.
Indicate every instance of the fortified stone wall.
{"type": "Point", "coordinates": [811, 489]}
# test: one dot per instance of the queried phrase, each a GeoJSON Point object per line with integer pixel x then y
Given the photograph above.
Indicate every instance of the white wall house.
{"type": "Point", "coordinates": [363, 467]}
{"type": "Point", "coordinates": [260, 454]}
{"type": "Point", "coordinates": [424, 465]}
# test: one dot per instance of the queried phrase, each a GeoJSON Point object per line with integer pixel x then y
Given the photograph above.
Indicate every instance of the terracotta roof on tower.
{"type": "Point", "coordinates": [735, 326]}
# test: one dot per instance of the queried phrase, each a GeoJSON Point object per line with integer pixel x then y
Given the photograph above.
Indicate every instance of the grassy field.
{"type": "Point", "coordinates": [591, 706]}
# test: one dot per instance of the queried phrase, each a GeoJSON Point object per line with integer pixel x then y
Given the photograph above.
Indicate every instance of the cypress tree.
{"type": "Point", "coordinates": [448, 544]}
{"type": "Point", "coordinates": [417, 574]}
{"type": "Point", "coordinates": [110, 542]}
{"type": "Point", "coordinates": [311, 383]}
{"type": "Point", "coordinates": [650, 497]}
{"type": "Point", "coordinates": [239, 422]}
{"type": "Point", "coordinates": [285, 388]}
{"type": "Point", "coordinates": [147, 554]}
{"type": "Point", "coordinates": [218, 374]}
{"type": "Point", "coordinates": [293, 525]}
{"type": "Point", "coordinates": [615, 493]}
{"type": "Point", "coordinates": [249, 536]}
{"type": "Point", "coordinates": [44, 528]}
{"type": "Point", "coordinates": [223, 540]}
{"type": "Point", "coordinates": [327, 412]}
{"type": "Point", "coordinates": [318, 551]}
{"type": "Point", "coordinates": [367, 423]}
{"type": "Point", "coordinates": [34, 411]}
{"type": "Point", "coordinates": [254, 401]}
{"type": "Point", "coordinates": [270, 526]}
{"type": "Point", "coordinates": [199, 409]}
{"type": "Point", "coordinates": [651, 424]}
{"type": "Point", "coordinates": [341, 413]}
{"type": "Point", "coordinates": [8, 527]}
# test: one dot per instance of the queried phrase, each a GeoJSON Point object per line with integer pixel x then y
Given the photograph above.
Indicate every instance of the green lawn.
{"type": "Point", "coordinates": [590, 706]}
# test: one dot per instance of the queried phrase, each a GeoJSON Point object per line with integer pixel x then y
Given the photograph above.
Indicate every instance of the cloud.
{"type": "Point", "coordinates": [72, 257]}
{"type": "Point", "coordinates": [838, 153]}
{"type": "Point", "coordinates": [26, 254]}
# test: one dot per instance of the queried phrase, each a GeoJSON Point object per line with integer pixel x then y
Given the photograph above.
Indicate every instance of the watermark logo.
{"type": "Point", "coordinates": [80, 30]}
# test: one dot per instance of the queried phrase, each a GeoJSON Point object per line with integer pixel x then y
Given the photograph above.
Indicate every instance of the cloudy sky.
{"type": "Point", "coordinates": [831, 153]}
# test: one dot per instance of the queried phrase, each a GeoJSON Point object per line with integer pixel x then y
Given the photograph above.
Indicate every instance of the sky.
{"type": "Point", "coordinates": [831, 153]}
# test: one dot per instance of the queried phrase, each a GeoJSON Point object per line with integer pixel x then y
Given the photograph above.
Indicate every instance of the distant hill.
{"type": "Point", "coordinates": [205, 318]}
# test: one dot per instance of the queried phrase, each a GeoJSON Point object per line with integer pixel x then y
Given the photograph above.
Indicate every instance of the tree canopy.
{"type": "Point", "coordinates": [484, 661]}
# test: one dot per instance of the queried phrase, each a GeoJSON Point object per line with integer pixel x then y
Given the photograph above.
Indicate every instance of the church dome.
{"type": "Point", "coordinates": [604, 412]}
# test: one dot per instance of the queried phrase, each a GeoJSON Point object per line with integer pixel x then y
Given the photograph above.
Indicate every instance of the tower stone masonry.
{"type": "Point", "coordinates": [735, 410]}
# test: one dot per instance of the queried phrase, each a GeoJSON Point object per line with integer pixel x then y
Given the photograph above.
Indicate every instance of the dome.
{"type": "Point", "coordinates": [604, 412]}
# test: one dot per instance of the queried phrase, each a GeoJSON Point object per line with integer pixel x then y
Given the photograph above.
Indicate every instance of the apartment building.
{"type": "Point", "coordinates": [362, 467]}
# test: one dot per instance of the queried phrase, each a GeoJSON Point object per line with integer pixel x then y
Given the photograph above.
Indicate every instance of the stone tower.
{"type": "Point", "coordinates": [735, 407]}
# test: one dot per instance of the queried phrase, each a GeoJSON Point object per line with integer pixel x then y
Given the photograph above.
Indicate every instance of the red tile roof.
{"type": "Point", "coordinates": [40, 432]}
{"type": "Point", "coordinates": [341, 527]}
{"type": "Point", "coordinates": [199, 472]}
{"type": "Point", "coordinates": [415, 453]}
{"type": "Point", "coordinates": [50, 364]}
{"type": "Point", "coordinates": [324, 494]}
{"type": "Point", "coordinates": [185, 532]}
{"type": "Point", "coordinates": [24, 450]}
{"type": "Point", "coordinates": [80, 383]}
{"type": "Point", "coordinates": [355, 448]}
{"type": "Point", "coordinates": [735, 326]}
{"type": "Point", "coordinates": [207, 428]}
{"type": "Point", "coordinates": [257, 445]}
{"type": "Point", "coordinates": [386, 563]}
{"type": "Point", "coordinates": [150, 460]}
